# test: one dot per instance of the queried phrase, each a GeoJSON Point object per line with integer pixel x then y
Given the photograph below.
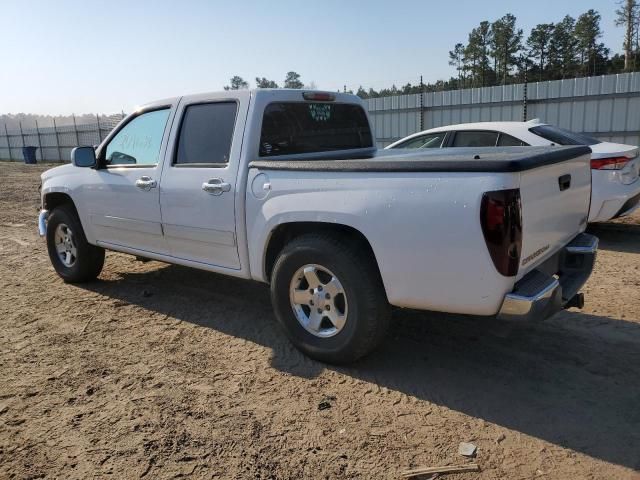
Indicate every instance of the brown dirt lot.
{"type": "Point", "coordinates": [160, 371]}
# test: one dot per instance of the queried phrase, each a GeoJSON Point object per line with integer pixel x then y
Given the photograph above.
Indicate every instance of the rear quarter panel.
{"type": "Point", "coordinates": [424, 229]}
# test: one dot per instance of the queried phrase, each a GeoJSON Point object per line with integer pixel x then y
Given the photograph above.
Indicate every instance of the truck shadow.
{"type": "Point", "coordinates": [573, 381]}
{"type": "Point", "coordinates": [617, 237]}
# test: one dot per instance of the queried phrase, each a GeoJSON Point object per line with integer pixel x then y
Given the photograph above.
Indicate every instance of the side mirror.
{"type": "Point", "coordinates": [83, 157]}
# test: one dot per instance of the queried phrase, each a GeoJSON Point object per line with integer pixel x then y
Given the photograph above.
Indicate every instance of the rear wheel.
{"type": "Point", "coordinates": [328, 296]}
{"type": "Point", "coordinates": [73, 258]}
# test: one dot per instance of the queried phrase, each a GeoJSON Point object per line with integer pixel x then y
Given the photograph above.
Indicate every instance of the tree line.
{"type": "Point", "coordinates": [291, 80]}
{"type": "Point", "coordinates": [498, 53]}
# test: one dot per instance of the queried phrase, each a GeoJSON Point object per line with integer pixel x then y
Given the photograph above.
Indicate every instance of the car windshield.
{"type": "Point", "coordinates": [563, 137]}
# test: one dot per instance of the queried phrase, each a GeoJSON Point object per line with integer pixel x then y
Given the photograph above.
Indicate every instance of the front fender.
{"type": "Point", "coordinates": [66, 180]}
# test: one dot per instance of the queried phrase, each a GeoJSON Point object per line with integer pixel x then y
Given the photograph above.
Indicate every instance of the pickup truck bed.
{"type": "Point", "coordinates": [421, 214]}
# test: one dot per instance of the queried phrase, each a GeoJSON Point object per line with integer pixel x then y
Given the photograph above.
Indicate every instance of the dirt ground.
{"type": "Point", "coordinates": [160, 371]}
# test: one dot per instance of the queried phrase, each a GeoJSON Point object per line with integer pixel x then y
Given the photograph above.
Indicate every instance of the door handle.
{"type": "Point", "coordinates": [216, 186]}
{"type": "Point", "coordinates": [146, 183]}
{"type": "Point", "coordinates": [564, 182]}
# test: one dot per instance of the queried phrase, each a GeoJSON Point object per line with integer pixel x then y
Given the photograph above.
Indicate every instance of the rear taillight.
{"type": "Point", "coordinates": [613, 163]}
{"type": "Point", "coordinates": [501, 220]}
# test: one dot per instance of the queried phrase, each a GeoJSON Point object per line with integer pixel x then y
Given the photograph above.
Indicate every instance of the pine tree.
{"type": "Point", "coordinates": [265, 83]}
{"type": "Point", "coordinates": [507, 42]}
{"type": "Point", "coordinates": [563, 48]}
{"type": "Point", "coordinates": [587, 32]}
{"type": "Point", "coordinates": [477, 53]}
{"type": "Point", "coordinates": [456, 57]}
{"type": "Point", "coordinates": [292, 80]}
{"type": "Point", "coordinates": [237, 83]}
{"type": "Point", "coordinates": [628, 16]}
{"type": "Point", "coordinates": [538, 44]}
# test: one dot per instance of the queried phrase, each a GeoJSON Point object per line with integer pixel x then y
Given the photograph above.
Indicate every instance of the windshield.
{"type": "Point", "coordinates": [561, 136]}
{"type": "Point", "coordinates": [307, 127]}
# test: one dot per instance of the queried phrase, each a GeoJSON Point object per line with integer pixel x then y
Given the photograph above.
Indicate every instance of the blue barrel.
{"type": "Point", "coordinates": [29, 154]}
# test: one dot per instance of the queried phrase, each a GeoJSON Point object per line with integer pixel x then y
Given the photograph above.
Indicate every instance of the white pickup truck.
{"type": "Point", "coordinates": [286, 187]}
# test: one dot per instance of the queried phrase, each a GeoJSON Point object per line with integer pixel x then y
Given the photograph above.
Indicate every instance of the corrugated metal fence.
{"type": "Point", "coordinates": [56, 141]}
{"type": "Point", "coordinates": [606, 107]}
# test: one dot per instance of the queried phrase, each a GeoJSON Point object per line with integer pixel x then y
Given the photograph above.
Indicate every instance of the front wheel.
{"type": "Point", "coordinates": [328, 295]}
{"type": "Point", "coordinates": [73, 258]}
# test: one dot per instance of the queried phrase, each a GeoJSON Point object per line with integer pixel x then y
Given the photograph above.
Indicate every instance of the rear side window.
{"type": "Point", "coordinates": [475, 139]}
{"type": "Point", "coordinates": [509, 141]}
{"type": "Point", "coordinates": [433, 140]}
{"type": "Point", "coordinates": [308, 127]}
{"type": "Point", "coordinates": [561, 136]}
{"type": "Point", "coordinates": [206, 133]}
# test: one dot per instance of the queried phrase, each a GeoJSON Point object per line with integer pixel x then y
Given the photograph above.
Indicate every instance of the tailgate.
{"type": "Point", "coordinates": [555, 206]}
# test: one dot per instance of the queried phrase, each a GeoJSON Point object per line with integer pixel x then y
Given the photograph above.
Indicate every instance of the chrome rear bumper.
{"type": "Point", "coordinates": [42, 222]}
{"type": "Point", "coordinates": [554, 285]}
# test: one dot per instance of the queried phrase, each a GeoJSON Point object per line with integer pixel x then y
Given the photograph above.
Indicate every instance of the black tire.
{"type": "Point", "coordinates": [89, 259]}
{"type": "Point", "coordinates": [369, 312]}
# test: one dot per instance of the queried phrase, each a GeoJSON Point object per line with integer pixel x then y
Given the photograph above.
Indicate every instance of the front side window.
{"type": "Point", "coordinates": [475, 139]}
{"type": "Point", "coordinates": [561, 136]}
{"type": "Point", "coordinates": [309, 127]}
{"type": "Point", "coordinates": [139, 141]}
{"type": "Point", "coordinates": [206, 134]}
{"type": "Point", "coordinates": [433, 140]}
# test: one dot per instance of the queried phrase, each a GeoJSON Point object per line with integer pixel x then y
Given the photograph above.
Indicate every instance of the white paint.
{"type": "Point", "coordinates": [424, 228]}
{"type": "Point", "coordinates": [610, 188]}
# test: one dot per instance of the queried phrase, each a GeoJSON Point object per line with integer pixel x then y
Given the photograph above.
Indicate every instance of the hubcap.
{"type": "Point", "coordinates": [318, 300]}
{"type": "Point", "coordinates": [65, 245]}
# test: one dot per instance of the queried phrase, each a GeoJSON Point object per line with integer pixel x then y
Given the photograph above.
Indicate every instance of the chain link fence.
{"type": "Point", "coordinates": [54, 139]}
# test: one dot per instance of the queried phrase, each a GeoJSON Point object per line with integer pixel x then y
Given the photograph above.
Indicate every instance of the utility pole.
{"type": "Point", "coordinates": [421, 105]}
{"type": "Point", "coordinates": [524, 91]}
{"type": "Point", "coordinates": [75, 129]}
{"type": "Point", "coordinates": [55, 130]}
{"type": "Point", "coordinates": [39, 142]}
{"type": "Point", "coordinates": [6, 134]}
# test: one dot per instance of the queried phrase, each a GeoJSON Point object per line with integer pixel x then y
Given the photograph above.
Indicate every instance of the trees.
{"type": "Point", "coordinates": [496, 54]}
{"type": "Point", "coordinates": [506, 43]}
{"type": "Point", "coordinates": [292, 80]}
{"type": "Point", "coordinates": [563, 48]}
{"type": "Point", "coordinates": [628, 16]}
{"type": "Point", "coordinates": [237, 83]}
{"type": "Point", "coordinates": [538, 45]}
{"type": "Point", "coordinates": [456, 59]}
{"type": "Point", "coordinates": [587, 32]}
{"type": "Point", "coordinates": [264, 83]}
{"type": "Point", "coordinates": [476, 53]}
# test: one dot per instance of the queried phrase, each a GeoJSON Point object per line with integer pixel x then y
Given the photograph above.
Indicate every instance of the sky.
{"type": "Point", "coordinates": [69, 56]}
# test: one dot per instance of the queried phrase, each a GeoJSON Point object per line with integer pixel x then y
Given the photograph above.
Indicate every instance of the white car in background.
{"type": "Point", "coordinates": [614, 167]}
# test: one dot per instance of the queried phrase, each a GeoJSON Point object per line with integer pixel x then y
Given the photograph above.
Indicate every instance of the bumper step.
{"type": "Point", "coordinates": [539, 295]}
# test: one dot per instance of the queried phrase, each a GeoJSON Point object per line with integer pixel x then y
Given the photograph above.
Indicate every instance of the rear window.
{"type": "Point", "coordinates": [309, 127]}
{"type": "Point", "coordinates": [561, 136]}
